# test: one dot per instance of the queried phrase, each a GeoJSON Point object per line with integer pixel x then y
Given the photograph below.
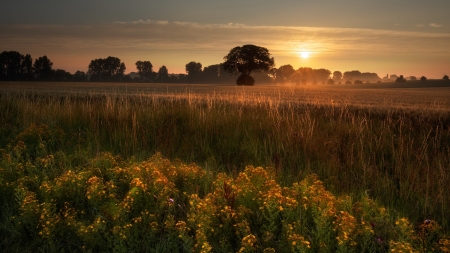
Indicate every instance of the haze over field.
{"type": "Point", "coordinates": [385, 37]}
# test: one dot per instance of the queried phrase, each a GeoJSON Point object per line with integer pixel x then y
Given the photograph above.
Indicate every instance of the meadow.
{"type": "Point", "coordinates": [112, 167]}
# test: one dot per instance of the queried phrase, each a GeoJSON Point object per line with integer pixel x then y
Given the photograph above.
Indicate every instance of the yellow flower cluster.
{"type": "Point", "coordinates": [401, 247]}
{"type": "Point", "coordinates": [134, 203]}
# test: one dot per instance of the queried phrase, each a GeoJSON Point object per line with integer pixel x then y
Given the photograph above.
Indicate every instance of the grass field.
{"type": "Point", "coordinates": [348, 168]}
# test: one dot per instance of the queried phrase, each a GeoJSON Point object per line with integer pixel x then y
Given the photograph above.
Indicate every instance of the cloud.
{"type": "Point", "coordinates": [171, 42]}
{"type": "Point", "coordinates": [435, 25]}
{"type": "Point", "coordinates": [164, 35]}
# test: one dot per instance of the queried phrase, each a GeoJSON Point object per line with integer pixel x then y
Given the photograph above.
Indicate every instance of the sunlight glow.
{"type": "Point", "coordinates": [304, 55]}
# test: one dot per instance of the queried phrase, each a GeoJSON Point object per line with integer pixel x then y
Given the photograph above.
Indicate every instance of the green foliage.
{"type": "Point", "coordinates": [53, 163]}
{"type": "Point", "coordinates": [158, 206]}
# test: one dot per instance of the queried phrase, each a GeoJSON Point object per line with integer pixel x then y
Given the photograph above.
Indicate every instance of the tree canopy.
{"type": "Point", "coordinates": [145, 71]}
{"type": "Point", "coordinates": [193, 70]}
{"type": "Point", "coordinates": [107, 69]}
{"type": "Point", "coordinates": [43, 68]}
{"type": "Point", "coordinates": [248, 59]}
{"type": "Point", "coordinates": [15, 66]}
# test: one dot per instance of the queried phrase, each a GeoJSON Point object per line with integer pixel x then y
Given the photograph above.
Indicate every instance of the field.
{"type": "Point", "coordinates": [169, 167]}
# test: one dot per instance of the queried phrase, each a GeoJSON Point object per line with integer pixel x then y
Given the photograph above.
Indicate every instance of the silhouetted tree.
{"type": "Point", "coordinates": [337, 76]}
{"type": "Point", "coordinates": [108, 69]}
{"type": "Point", "coordinates": [127, 79]}
{"type": "Point", "coordinates": [412, 78]}
{"type": "Point", "coordinates": [445, 77]}
{"type": "Point", "coordinates": [61, 75]}
{"type": "Point", "coordinates": [14, 66]}
{"type": "Point", "coordinates": [284, 73]}
{"type": "Point", "coordinates": [163, 75]}
{"type": "Point", "coordinates": [79, 76]}
{"type": "Point", "coordinates": [145, 70]}
{"type": "Point", "coordinates": [27, 68]}
{"type": "Point", "coordinates": [211, 74]}
{"type": "Point", "coordinates": [322, 75]}
{"type": "Point", "coordinates": [193, 70]}
{"type": "Point", "coordinates": [348, 82]}
{"type": "Point", "coordinates": [247, 59]}
{"type": "Point", "coordinates": [357, 75]}
{"type": "Point", "coordinates": [351, 75]}
{"type": "Point", "coordinates": [423, 79]}
{"type": "Point", "coordinates": [304, 75]}
{"type": "Point", "coordinates": [43, 68]}
{"type": "Point", "coordinates": [400, 79]}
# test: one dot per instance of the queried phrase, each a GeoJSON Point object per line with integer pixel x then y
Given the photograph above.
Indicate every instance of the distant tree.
{"type": "Point", "coordinates": [400, 79]}
{"type": "Point", "coordinates": [284, 73]}
{"type": "Point", "coordinates": [358, 82]}
{"type": "Point", "coordinates": [27, 68]}
{"type": "Point", "coordinates": [79, 76]}
{"type": "Point", "coordinates": [337, 76]}
{"type": "Point", "coordinates": [423, 79]}
{"type": "Point", "coordinates": [107, 69]}
{"type": "Point", "coordinates": [61, 75]}
{"type": "Point", "coordinates": [445, 77]}
{"type": "Point", "coordinates": [330, 81]}
{"type": "Point", "coordinates": [412, 78]}
{"type": "Point", "coordinates": [194, 71]}
{"type": "Point", "coordinates": [145, 71]}
{"type": "Point", "coordinates": [393, 77]}
{"type": "Point", "coordinates": [369, 77]}
{"type": "Point", "coordinates": [43, 68]}
{"type": "Point", "coordinates": [348, 82]}
{"type": "Point", "coordinates": [248, 59]}
{"type": "Point", "coordinates": [357, 75]}
{"type": "Point", "coordinates": [163, 75]}
{"type": "Point", "coordinates": [351, 75]}
{"type": "Point", "coordinates": [211, 74]}
{"type": "Point", "coordinates": [304, 75]}
{"type": "Point", "coordinates": [322, 75]}
{"type": "Point", "coordinates": [14, 66]}
{"type": "Point", "coordinates": [127, 79]}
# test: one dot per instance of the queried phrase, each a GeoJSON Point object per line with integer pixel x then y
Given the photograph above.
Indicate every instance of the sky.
{"type": "Point", "coordinates": [402, 37]}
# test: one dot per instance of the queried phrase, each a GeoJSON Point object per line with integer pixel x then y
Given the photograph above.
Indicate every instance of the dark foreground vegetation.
{"type": "Point", "coordinates": [75, 174]}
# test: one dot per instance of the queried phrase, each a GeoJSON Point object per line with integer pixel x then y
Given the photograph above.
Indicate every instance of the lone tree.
{"type": "Point", "coordinates": [445, 77]}
{"type": "Point", "coordinates": [246, 59]}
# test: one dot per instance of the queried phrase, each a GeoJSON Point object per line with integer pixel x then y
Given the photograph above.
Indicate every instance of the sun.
{"type": "Point", "coordinates": [304, 54]}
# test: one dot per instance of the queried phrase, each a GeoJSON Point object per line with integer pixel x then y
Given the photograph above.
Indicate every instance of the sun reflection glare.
{"type": "Point", "coordinates": [304, 54]}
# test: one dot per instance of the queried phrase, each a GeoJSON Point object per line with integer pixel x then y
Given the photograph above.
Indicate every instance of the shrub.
{"type": "Point", "coordinates": [423, 79]}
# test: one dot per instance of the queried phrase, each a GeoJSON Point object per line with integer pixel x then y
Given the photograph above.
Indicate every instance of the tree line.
{"type": "Point", "coordinates": [251, 62]}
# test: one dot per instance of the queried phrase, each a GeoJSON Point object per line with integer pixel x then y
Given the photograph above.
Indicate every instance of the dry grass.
{"type": "Point", "coordinates": [430, 95]}
{"type": "Point", "coordinates": [392, 143]}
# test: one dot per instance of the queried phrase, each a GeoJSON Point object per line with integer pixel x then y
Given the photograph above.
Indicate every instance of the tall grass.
{"type": "Point", "coordinates": [398, 157]}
